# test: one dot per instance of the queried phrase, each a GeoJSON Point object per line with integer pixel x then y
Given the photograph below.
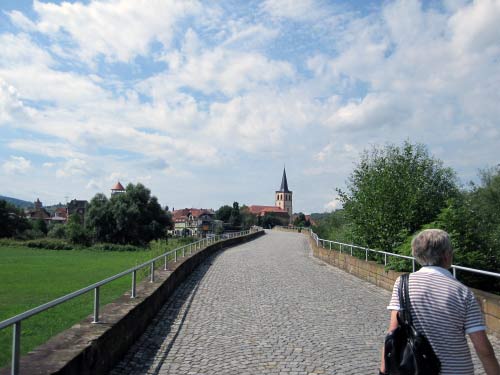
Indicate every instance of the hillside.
{"type": "Point", "coordinates": [17, 202]}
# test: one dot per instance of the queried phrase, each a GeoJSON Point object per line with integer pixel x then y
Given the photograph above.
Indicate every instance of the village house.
{"type": "Point", "coordinates": [193, 222]}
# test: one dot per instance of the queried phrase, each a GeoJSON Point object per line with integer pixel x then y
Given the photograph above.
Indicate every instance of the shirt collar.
{"type": "Point", "coordinates": [436, 270]}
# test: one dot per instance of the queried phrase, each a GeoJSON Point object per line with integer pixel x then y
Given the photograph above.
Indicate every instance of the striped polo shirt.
{"type": "Point", "coordinates": [444, 310]}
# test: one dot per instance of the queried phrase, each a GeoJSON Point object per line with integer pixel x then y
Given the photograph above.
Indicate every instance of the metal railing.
{"type": "Point", "coordinates": [15, 321]}
{"type": "Point", "coordinates": [350, 247]}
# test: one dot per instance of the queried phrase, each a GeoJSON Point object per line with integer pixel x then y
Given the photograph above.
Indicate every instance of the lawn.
{"type": "Point", "coordinates": [31, 277]}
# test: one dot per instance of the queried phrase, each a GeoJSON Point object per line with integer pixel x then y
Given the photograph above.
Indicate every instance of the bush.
{"type": "Point", "coordinates": [57, 231]}
{"type": "Point", "coordinates": [50, 244]}
{"type": "Point", "coordinates": [30, 234]}
{"type": "Point", "coordinates": [115, 247]}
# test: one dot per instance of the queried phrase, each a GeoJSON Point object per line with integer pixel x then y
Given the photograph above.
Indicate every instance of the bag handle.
{"type": "Point", "coordinates": [404, 298]}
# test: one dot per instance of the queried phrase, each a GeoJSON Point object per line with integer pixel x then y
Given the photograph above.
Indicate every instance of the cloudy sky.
{"type": "Point", "coordinates": [205, 101]}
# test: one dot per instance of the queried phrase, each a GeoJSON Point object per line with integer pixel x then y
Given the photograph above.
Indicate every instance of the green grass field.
{"type": "Point", "coordinates": [31, 277]}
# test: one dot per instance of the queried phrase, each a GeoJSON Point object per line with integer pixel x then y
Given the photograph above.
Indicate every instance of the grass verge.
{"type": "Point", "coordinates": [31, 277]}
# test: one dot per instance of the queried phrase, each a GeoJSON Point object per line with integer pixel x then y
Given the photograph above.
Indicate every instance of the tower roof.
{"type": "Point", "coordinates": [284, 183]}
{"type": "Point", "coordinates": [118, 186]}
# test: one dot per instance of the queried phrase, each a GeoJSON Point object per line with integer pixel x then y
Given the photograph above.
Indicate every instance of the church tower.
{"type": "Point", "coordinates": [284, 196]}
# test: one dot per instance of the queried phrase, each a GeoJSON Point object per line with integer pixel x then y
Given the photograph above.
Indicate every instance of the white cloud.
{"type": "Point", "coordinates": [16, 165]}
{"type": "Point", "coordinates": [475, 27]}
{"type": "Point", "coordinates": [73, 167]}
{"type": "Point", "coordinates": [118, 29]}
{"type": "Point", "coordinates": [300, 10]}
{"type": "Point", "coordinates": [10, 104]}
{"type": "Point", "coordinates": [48, 149]}
{"type": "Point", "coordinates": [219, 70]}
{"type": "Point", "coordinates": [21, 21]}
{"type": "Point", "coordinates": [333, 205]}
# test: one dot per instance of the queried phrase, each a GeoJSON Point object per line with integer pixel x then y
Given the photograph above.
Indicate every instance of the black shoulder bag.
{"type": "Point", "coordinates": [406, 351]}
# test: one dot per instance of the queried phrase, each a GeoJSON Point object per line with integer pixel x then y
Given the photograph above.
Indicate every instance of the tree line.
{"type": "Point", "coordinates": [396, 191]}
{"type": "Point", "coordinates": [133, 217]}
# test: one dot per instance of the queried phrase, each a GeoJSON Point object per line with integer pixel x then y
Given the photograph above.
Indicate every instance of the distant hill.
{"type": "Point", "coordinates": [17, 202]}
{"type": "Point", "coordinates": [319, 216]}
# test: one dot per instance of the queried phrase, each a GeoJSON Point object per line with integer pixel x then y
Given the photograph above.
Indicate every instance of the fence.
{"type": "Point", "coordinates": [350, 247]}
{"type": "Point", "coordinates": [15, 321]}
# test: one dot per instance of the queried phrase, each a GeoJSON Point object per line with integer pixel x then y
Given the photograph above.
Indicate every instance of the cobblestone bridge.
{"type": "Point", "coordinates": [266, 307]}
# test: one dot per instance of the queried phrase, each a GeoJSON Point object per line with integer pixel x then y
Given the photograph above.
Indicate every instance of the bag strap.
{"type": "Point", "coordinates": [404, 298]}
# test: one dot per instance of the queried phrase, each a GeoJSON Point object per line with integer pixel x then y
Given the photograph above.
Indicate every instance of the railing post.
{"type": "Point", "coordinates": [96, 305]}
{"type": "Point", "coordinates": [330, 245]}
{"type": "Point", "coordinates": [351, 249]}
{"type": "Point", "coordinates": [413, 264]}
{"type": "Point", "coordinates": [454, 272]}
{"type": "Point", "coordinates": [385, 259]}
{"type": "Point", "coordinates": [16, 348]}
{"type": "Point", "coordinates": [366, 254]}
{"type": "Point", "coordinates": [175, 256]}
{"type": "Point", "coordinates": [165, 265]}
{"type": "Point", "coordinates": [152, 273]}
{"type": "Point", "coordinates": [184, 251]}
{"type": "Point", "coordinates": [134, 277]}
{"type": "Point", "coordinates": [340, 248]}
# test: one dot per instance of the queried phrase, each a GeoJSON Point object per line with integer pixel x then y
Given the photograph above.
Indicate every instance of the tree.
{"type": "Point", "coordinates": [334, 226]}
{"type": "Point", "coordinates": [301, 221]}
{"type": "Point", "coordinates": [393, 191]}
{"type": "Point", "coordinates": [235, 218]}
{"type": "Point", "coordinates": [100, 219]}
{"type": "Point", "coordinates": [41, 226]}
{"type": "Point", "coordinates": [247, 218]}
{"type": "Point", "coordinates": [12, 220]}
{"type": "Point", "coordinates": [133, 217]}
{"type": "Point", "coordinates": [224, 213]}
{"type": "Point", "coordinates": [269, 220]}
{"type": "Point", "coordinates": [75, 231]}
{"type": "Point", "coordinates": [472, 219]}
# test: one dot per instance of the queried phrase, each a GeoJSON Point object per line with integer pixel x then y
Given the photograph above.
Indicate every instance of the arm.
{"type": "Point", "coordinates": [393, 324]}
{"type": "Point", "coordinates": [485, 352]}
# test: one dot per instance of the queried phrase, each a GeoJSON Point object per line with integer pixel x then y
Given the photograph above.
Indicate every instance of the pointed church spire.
{"type": "Point", "coordinates": [284, 183]}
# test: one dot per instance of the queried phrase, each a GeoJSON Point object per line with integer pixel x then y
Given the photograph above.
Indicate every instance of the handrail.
{"type": "Point", "coordinates": [17, 319]}
{"type": "Point", "coordinates": [386, 253]}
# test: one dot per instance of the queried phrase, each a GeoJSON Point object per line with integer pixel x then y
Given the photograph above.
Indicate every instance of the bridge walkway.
{"type": "Point", "coordinates": [266, 307]}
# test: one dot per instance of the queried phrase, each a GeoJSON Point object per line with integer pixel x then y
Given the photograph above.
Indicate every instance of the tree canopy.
{"type": "Point", "coordinates": [133, 217]}
{"type": "Point", "coordinates": [12, 220]}
{"type": "Point", "coordinates": [393, 191]}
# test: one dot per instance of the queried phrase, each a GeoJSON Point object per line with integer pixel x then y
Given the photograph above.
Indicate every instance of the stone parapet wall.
{"type": "Point", "coordinates": [93, 349]}
{"type": "Point", "coordinates": [376, 274]}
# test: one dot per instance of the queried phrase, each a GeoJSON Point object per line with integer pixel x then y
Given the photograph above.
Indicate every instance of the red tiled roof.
{"type": "Point", "coordinates": [258, 210]}
{"type": "Point", "coordinates": [118, 186]}
{"type": "Point", "coordinates": [179, 215]}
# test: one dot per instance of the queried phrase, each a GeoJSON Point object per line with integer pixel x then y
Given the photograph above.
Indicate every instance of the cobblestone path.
{"type": "Point", "coordinates": [266, 307]}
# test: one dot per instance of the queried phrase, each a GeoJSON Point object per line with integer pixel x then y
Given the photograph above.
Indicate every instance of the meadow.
{"type": "Point", "coordinates": [31, 277]}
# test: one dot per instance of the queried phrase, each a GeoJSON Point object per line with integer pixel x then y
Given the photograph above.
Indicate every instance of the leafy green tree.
{"type": "Point", "coordinates": [270, 220]}
{"type": "Point", "coordinates": [247, 218]}
{"type": "Point", "coordinates": [76, 232]}
{"type": "Point", "coordinates": [224, 213]}
{"type": "Point", "coordinates": [301, 221]}
{"type": "Point", "coordinates": [393, 191]}
{"type": "Point", "coordinates": [12, 220]}
{"type": "Point", "coordinates": [41, 226]}
{"type": "Point", "coordinates": [100, 219]}
{"type": "Point", "coordinates": [132, 217]}
{"type": "Point", "coordinates": [57, 231]}
{"type": "Point", "coordinates": [334, 226]}
{"type": "Point", "coordinates": [235, 218]}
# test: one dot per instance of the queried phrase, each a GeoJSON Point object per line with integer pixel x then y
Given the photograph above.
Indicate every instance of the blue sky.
{"type": "Point", "coordinates": [204, 102]}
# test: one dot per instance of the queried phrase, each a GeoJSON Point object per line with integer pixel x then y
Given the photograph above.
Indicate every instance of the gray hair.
{"type": "Point", "coordinates": [431, 246]}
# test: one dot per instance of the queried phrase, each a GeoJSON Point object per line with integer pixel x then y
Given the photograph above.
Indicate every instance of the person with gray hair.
{"type": "Point", "coordinates": [443, 309]}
